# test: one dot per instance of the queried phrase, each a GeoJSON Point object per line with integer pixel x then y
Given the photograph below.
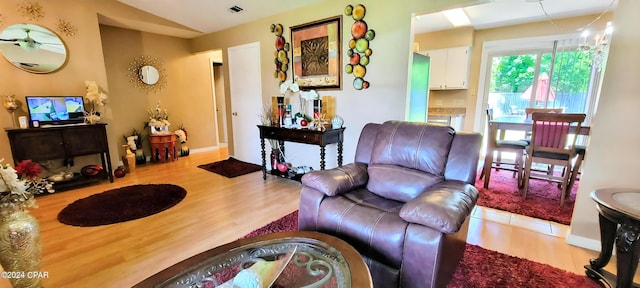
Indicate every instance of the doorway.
{"type": "Point", "coordinates": [542, 72]}
{"type": "Point", "coordinates": [220, 105]}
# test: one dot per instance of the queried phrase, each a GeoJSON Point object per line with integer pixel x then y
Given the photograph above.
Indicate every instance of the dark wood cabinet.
{"type": "Point", "coordinates": [63, 142]}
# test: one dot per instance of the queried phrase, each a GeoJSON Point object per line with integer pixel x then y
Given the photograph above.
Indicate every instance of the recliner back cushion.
{"type": "Point", "coordinates": [407, 158]}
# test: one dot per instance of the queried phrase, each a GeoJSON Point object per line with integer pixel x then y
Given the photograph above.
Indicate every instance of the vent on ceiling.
{"type": "Point", "coordinates": [235, 9]}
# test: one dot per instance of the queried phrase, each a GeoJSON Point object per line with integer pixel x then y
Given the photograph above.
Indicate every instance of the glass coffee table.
{"type": "Point", "coordinates": [283, 259]}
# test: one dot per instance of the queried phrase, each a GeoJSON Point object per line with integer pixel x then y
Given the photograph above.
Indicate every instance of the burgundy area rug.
{"type": "Point", "coordinates": [543, 198]}
{"type": "Point", "coordinates": [231, 167]}
{"type": "Point", "coordinates": [480, 267]}
{"type": "Point", "coordinates": [121, 204]}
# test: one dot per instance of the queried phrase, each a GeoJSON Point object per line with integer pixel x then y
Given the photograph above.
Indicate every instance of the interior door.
{"type": "Point", "coordinates": [246, 100]}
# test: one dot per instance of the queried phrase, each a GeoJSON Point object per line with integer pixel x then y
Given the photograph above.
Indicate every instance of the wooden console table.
{"type": "Point", "coordinates": [62, 142]}
{"type": "Point", "coordinates": [305, 136]}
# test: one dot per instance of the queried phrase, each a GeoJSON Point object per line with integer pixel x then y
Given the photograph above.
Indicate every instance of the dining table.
{"type": "Point", "coordinates": [501, 124]}
{"type": "Point", "coordinates": [522, 123]}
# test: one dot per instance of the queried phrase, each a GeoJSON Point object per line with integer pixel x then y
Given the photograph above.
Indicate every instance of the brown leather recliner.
{"type": "Point", "coordinates": [403, 204]}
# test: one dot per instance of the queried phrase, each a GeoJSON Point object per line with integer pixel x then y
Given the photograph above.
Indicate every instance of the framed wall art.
{"type": "Point", "coordinates": [316, 54]}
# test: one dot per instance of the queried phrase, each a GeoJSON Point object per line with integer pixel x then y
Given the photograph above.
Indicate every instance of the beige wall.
{"type": "Point", "coordinates": [387, 71]}
{"type": "Point", "coordinates": [611, 161]}
{"type": "Point", "coordinates": [103, 53]}
{"type": "Point", "coordinates": [187, 95]}
{"type": "Point", "coordinates": [85, 61]}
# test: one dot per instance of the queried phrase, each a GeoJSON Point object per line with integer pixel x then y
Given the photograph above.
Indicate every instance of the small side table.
{"type": "Point", "coordinates": [163, 147]}
{"type": "Point", "coordinates": [617, 207]}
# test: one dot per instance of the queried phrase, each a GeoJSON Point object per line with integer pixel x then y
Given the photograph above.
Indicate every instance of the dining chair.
{"type": "Point", "coordinates": [529, 111]}
{"type": "Point", "coordinates": [498, 146]}
{"type": "Point", "coordinates": [581, 150]}
{"type": "Point", "coordinates": [527, 135]}
{"type": "Point", "coordinates": [549, 146]}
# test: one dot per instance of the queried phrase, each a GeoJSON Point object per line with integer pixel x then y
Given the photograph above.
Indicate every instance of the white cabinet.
{"type": "Point", "coordinates": [449, 68]}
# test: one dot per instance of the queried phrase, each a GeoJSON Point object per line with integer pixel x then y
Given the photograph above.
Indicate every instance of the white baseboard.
{"type": "Point", "coordinates": [204, 149]}
{"type": "Point", "coordinates": [583, 242]}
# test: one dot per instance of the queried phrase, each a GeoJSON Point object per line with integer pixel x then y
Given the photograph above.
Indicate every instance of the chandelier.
{"type": "Point", "coordinates": [598, 42]}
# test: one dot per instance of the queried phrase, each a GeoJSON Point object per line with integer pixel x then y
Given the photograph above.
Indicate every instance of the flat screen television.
{"type": "Point", "coordinates": [56, 110]}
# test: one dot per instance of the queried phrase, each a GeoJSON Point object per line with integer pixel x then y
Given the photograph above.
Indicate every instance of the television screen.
{"type": "Point", "coordinates": [56, 109]}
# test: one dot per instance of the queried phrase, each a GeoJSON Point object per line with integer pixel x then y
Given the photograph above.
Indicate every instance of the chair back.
{"type": "Point", "coordinates": [530, 111]}
{"type": "Point", "coordinates": [550, 132]}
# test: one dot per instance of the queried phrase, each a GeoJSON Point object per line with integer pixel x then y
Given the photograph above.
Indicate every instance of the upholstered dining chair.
{"type": "Point", "coordinates": [549, 145]}
{"type": "Point", "coordinates": [497, 146]}
{"type": "Point", "coordinates": [527, 135]}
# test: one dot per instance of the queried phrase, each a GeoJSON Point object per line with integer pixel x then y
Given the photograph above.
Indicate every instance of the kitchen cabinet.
{"type": "Point", "coordinates": [449, 68]}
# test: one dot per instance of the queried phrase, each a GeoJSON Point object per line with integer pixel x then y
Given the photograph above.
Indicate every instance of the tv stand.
{"type": "Point", "coordinates": [62, 142]}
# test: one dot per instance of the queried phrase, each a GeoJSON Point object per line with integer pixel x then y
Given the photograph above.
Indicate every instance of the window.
{"type": "Point", "coordinates": [541, 73]}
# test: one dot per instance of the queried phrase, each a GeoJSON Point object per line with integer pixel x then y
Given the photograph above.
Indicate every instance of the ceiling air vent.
{"type": "Point", "coordinates": [235, 9]}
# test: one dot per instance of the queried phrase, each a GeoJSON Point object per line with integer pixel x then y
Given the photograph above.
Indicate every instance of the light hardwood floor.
{"type": "Point", "coordinates": [218, 210]}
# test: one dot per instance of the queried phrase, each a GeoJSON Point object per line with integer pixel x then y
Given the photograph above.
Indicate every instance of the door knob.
{"type": "Point", "coordinates": [234, 113]}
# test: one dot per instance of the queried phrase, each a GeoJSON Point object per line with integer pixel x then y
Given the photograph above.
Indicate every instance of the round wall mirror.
{"type": "Point", "coordinates": [149, 75]}
{"type": "Point", "coordinates": [33, 48]}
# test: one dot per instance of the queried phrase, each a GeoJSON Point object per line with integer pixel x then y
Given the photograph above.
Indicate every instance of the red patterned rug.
{"type": "Point", "coordinates": [480, 267]}
{"type": "Point", "coordinates": [543, 198]}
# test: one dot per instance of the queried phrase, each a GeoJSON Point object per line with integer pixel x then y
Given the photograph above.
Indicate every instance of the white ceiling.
{"type": "Point", "coordinates": [207, 16]}
{"type": "Point", "coordinates": [498, 13]}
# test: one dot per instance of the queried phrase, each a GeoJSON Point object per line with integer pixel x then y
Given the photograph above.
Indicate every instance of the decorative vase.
{"type": "Point", "coordinates": [159, 130]}
{"type": "Point", "coordinates": [92, 118]}
{"type": "Point", "coordinates": [20, 248]}
{"type": "Point", "coordinates": [140, 157]}
{"type": "Point", "coordinates": [184, 150]}
{"type": "Point", "coordinates": [119, 172]}
{"type": "Point", "coordinates": [337, 122]}
{"type": "Point", "coordinates": [276, 158]}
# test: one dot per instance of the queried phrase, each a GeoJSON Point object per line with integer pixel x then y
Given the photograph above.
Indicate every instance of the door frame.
{"type": "Point", "coordinates": [254, 155]}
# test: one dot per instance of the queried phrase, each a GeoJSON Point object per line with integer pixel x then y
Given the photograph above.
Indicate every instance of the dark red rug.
{"type": "Point", "coordinates": [231, 167]}
{"type": "Point", "coordinates": [480, 267]}
{"type": "Point", "coordinates": [543, 198]}
{"type": "Point", "coordinates": [121, 204]}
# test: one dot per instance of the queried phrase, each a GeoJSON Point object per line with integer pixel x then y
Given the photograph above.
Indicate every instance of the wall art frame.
{"type": "Point", "coordinates": [316, 54]}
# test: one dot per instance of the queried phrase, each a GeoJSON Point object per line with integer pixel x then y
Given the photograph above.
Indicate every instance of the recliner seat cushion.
{"type": "Point", "coordinates": [368, 222]}
{"type": "Point", "coordinates": [418, 148]}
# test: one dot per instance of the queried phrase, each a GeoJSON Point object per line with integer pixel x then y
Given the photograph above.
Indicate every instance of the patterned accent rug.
{"type": "Point", "coordinates": [121, 204]}
{"type": "Point", "coordinates": [479, 267]}
{"type": "Point", "coordinates": [543, 198]}
{"type": "Point", "coordinates": [231, 167]}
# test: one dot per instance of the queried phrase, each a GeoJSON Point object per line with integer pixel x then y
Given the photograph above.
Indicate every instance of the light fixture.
{"type": "Point", "coordinates": [29, 44]}
{"type": "Point", "coordinates": [457, 17]}
{"type": "Point", "coordinates": [599, 42]}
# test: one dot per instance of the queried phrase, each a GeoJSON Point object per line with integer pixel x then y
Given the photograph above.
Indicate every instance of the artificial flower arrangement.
{"type": "Point", "coordinates": [18, 186]}
{"type": "Point", "coordinates": [290, 87]}
{"type": "Point", "coordinates": [95, 98]}
{"type": "Point", "coordinates": [158, 119]}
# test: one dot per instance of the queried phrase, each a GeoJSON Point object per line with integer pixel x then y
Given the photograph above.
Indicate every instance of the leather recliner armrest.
{"type": "Point", "coordinates": [337, 180]}
{"type": "Point", "coordinates": [443, 206]}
